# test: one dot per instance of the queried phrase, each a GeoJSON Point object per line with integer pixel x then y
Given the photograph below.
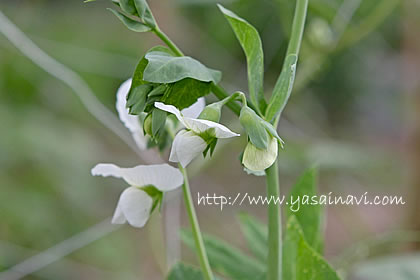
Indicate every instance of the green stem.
{"type": "Point", "coordinates": [168, 41]}
{"type": "Point", "coordinates": [199, 243]}
{"type": "Point", "coordinates": [274, 265]}
{"type": "Point", "coordinates": [220, 93]}
{"type": "Point", "coordinates": [274, 271]}
{"type": "Point", "coordinates": [297, 27]}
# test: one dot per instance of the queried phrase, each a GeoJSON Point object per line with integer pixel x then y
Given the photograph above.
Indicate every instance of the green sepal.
{"type": "Point", "coordinates": [136, 99]}
{"type": "Point", "coordinates": [212, 112]}
{"type": "Point", "coordinates": [157, 91]}
{"type": "Point", "coordinates": [130, 23]}
{"type": "Point", "coordinates": [272, 131]}
{"type": "Point", "coordinates": [128, 7]}
{"type": "Point", "coordinates": [158, 121]}
{"type": "Point", "coordinates": [144, 12]}
{"type": "Point", "coordinates": [253, 126]}
{"type": "Point", "coordinates": [155, 194]}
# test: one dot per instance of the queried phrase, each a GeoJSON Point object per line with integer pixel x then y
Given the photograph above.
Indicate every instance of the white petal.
{"type": "Point", "coordinates": [134, 206]}
{"type": "Point", "coordinates": [199, 126]}
{"type": "Point", "coordinates": [163, 176]}
{"type": "Point", "coordinates": [195, 110]}
{"type": "Point", "coordinates": [118, 217]}
{"type": "Point", "coordinates": [130, 121]}
{"type": "Point", "coordinates": [258, 159]}
{"type": "Point", "coordinates": [186, 146]}
{"type": "Point", "coordinates": [171, 109]}
{"type": "Point", "coordinates": [106, 169]}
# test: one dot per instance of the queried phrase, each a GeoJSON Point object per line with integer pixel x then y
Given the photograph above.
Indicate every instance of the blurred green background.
{"type": "Point", "coordinates": [354, 113]}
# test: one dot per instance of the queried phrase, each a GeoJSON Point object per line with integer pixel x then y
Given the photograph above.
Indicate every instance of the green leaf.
{"type": "Point", "coordinates": [227, 260]}
{"type": "Point", "coordinates": [165, 68]}
{"type": "Point", "coordinates": [405, 267]}
{"type": "Point", "coordinates": [184, 93]}
{"type": "Point", "coordinates": [136, 99]}
{"type": "Point", "coordinates": [251, 44]}
{"type": "Point", "coordinates": [256, 236]}
{"type": "Point", "coordinates": [182, 271]}
{"type": "Point", "coordinates": [300, 261]}
{"type": "Point", "coordinates": [130, 23]}
{"type": "Point", "coordinates": [144, 12]}
{"type": "Point", "coordinates": [309, 216]}
{"type": "Point", "coordinates": [138, 73]}
{"type": "Point", "coordinates": [252, 124]}
{"type": "Point", "coordinates": [128, 7]}
{"type": "Point", "coordinates": [157, 91]}
{"type": "Point", "coordinates": [282, 89]}
{"type": "Point", "coordinates": [158, 120]}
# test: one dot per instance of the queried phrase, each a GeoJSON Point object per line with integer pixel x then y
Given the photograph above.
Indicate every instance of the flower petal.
{"type": "Point", "coordinates": [258, 159]}
{"type": "Point", "coordinates": [134, 207]}
{"type": "Point", "coordinates": [194, 110]}
{"type": "Point", "coordinates": [163, 176]}
{"type": "Point", "coordinates": [130, 121]}
{"type": "Point", "coordinates": [171, 109]}
{"type": "Point", "coordinates": [118, 217]}
{"type": "Point", "coordinates": [199, 126]}
{"type": "Point", "coordinates": [186, 146]}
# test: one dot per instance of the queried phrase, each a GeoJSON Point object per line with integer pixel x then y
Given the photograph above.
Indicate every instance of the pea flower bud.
{"type": "Point", "coordinates": [212, 112]}
{"type": "Point", "coordinates": [262, 148]}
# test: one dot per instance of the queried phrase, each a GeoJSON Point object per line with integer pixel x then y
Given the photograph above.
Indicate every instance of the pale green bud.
{"type": "Point", "coordinates": [256, 159]}
{"type": "Point", "coordinates": [212, 112]}
{"type": "Point", "coordinates": [147, 125]}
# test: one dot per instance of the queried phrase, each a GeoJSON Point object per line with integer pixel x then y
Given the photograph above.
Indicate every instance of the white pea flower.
{"type": "Point", "coordinates": [198, 135]}
{"type": "Point", "coordinates": [132, 122]}
{"type": "Point", "coordinates": [147, 184]}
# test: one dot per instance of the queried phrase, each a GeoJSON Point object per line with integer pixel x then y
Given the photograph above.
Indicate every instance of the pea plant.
{"type": "Point", "coordinates": [163, 106]}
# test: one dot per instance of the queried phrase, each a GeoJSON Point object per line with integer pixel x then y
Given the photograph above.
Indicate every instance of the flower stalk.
{"type": "Point", "coordinates": [198, 238]}
{"type": "Point", "coordinates": [274, 265]}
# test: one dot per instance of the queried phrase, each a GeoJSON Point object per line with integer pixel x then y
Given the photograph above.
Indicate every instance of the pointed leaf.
{"type": "Point", "coordinates": [128, 6]}
{"type": "Point", "coordinates": [256, 236]}
{"type": "Point", "coordinates": [251, 44]}
{"type": "Point", "coordinates": [158, 120]}
{"type": "Point", "coordinates": [182, 271]}
{"type": "Point", "coordinates": [282, 89]}
{"type": "Point", "coordinates": [309, 216]}
{"type": "Point", "coordinates": [164, 68]}
{"type": "Point", "coordinates": [136, 99]}
{"type": "Point", "coordinates": [300, 261]}
{"type": "Point", "coordinates": [144, 12]}
{"type": "Point", "coordinates": [227, 260]}
{"type": "Point", "coordinates": [130, 23]}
